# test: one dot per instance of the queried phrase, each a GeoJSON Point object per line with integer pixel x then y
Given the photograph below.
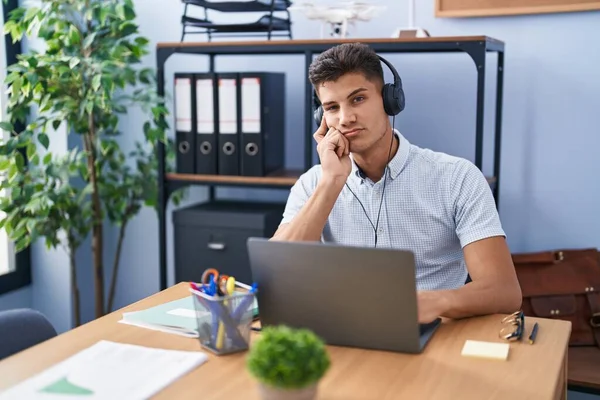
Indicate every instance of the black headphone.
{"type": "Point", "coordinates": [393, 96]}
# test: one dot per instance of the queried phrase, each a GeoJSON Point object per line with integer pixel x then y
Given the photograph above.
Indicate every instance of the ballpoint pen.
{"type": "Point", "coordinates": [533, 333]}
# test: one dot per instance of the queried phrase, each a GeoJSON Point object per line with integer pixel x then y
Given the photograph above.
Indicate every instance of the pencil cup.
{"type": "Point", "coordinates": [224, 323]}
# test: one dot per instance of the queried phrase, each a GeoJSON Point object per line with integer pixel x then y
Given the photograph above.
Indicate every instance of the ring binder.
{"type": "Point", "coordinates": [184, 123]}
{"type": "Point", "coordinates": [262, 128]}
{"type": "Point", "coordinates": [206, 123]}
{"type": "Point", "coordinates": [228, 126]}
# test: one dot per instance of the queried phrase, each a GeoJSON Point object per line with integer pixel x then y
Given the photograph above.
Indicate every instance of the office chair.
{"type": "Point", "coordinates": [21, 329]}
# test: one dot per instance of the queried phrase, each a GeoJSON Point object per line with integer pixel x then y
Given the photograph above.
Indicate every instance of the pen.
{"type": "Point", "coordinates": [533, 333]}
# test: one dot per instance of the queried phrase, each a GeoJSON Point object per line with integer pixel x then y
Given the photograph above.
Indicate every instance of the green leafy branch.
{"type": "Point", "coordinates": [85, 80]}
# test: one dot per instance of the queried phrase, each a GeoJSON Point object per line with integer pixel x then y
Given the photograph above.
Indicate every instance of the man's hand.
{"type": "Point", "coordinates": [431, 305]}
{"type": "Point", "coordinates": [334, 152]}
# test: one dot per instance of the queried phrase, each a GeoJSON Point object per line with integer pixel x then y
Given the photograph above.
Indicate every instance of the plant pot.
{"type": "Point", "coordinates": [273, 393]}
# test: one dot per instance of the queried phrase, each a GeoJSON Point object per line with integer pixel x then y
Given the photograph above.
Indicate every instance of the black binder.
{"type": "Point", "coordinates": [262, 129]}
{"type": "Point", "coordinates": [206, 111]}
{"type": "Point", "coordinates": [185, 139]}
{"type": "Point", "coordinates": [229, 125]}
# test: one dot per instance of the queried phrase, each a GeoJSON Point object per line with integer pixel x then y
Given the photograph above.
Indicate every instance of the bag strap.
{"type": "Point", "coordinates": [554, 256]}
{"type": "Point", "coordinates": [594, 302]}
{"type": "Point", "coordinates": [543, 257]}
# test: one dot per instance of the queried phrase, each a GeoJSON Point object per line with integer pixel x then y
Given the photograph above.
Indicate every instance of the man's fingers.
{"type": "Point", "coordinates": [339, 142]}
{"type": "Point", "coordinates": [346, 145]}
{"type": "Point", "coordinates": [340, 149]}
{"type": "Point", "coordinates": [323, 124]}
{"type": "Point", "coordinates": [343, 144]}
{"type": "Point", "coordinates": [321, 131]}
{"type": "Point", "coordinates": [334, 140]}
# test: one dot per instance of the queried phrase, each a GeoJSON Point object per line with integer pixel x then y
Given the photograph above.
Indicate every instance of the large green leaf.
{"type": "Point", "coordinates": [44, 140]}
{"type": "Point", "coordinates": [7, 126]}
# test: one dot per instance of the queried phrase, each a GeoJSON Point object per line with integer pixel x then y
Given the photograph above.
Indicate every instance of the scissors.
{"type": "Point", "coordinates": [224, 284]}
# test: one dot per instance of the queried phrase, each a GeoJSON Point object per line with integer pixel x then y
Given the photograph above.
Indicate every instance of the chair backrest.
{"type": "Point", "coordinates": [22, 328]}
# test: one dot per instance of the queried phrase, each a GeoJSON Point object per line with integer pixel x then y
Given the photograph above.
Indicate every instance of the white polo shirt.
{"type": "Point", "coordinates": [434, 204]}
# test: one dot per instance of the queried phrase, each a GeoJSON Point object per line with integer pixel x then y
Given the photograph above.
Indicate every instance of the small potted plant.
{"type": "Point", "coordinates": [288, 363]}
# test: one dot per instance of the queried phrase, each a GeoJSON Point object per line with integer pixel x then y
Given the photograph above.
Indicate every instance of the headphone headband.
{"type": "Point", "coordinates": [392, 94]}
{"type": "Point", "coordinates": [397, 80]}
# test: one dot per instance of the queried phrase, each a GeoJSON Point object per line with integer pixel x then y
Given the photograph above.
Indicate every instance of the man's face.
{"type": "Point", "coordinates": [354, 106]}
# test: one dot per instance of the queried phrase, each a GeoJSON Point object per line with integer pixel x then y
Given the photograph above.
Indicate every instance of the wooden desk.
{"type": "Point", "coordinates": [532, 371]}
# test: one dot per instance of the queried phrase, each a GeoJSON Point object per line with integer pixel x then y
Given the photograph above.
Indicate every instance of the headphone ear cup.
{"type": "Point", "coordinates": [401, 100]}
{"type": "Point", "coordinates": [318, 115]}
{"type": "Point", "coordinates": [388, 99]}
{"type": "Point", "coordinates": [393, 99]}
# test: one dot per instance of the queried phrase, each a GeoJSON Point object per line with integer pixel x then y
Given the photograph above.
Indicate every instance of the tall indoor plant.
{"type": "Point", "coordinates": [88, 75]}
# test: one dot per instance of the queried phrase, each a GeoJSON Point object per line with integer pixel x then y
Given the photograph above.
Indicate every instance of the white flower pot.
{"type": "Point", "coordinates": [273, 393]}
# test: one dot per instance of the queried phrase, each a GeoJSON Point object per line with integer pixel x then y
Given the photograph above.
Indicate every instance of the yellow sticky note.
{"type": "Point", "coordinates": [490, 350]}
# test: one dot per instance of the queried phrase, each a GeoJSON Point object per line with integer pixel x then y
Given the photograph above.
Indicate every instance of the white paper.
{"type": "Point", "coordinates": [109, 370]}
{"type": "Point", "coordinates": [184, 312]}
{"type": "Point", "coordinates": [176, 331]}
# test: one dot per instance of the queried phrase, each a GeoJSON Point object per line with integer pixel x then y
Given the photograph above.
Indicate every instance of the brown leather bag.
{"type": "Point", "coordinates": [563, 284]}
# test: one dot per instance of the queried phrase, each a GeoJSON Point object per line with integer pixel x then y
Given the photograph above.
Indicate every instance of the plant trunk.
{"type": "Point", "coordinates": [115, 270]}
{"type": "Point", "coordinates": [74, 287]}
{"type": "Point", "coordinates": [97, 245]}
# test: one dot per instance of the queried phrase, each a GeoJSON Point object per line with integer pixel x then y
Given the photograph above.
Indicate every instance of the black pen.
{"type": "Point", "coordinates": [533, 333]}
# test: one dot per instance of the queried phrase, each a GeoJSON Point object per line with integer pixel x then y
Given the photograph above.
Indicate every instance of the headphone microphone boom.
{"type": "Point", "coordinates": [392, 94]}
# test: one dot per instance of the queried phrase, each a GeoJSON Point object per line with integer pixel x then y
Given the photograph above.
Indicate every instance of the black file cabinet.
{"type": "Point", "coordinates": [214, 235]}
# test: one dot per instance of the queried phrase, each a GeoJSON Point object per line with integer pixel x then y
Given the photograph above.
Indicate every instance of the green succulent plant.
{"type": "Point", "coordinates": [288, 358]}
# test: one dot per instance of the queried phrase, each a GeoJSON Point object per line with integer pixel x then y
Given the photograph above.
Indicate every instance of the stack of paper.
{"type": "Point", "coordinates": [179, 317]}
{"type": "Point", "coordinates": [109, 370]}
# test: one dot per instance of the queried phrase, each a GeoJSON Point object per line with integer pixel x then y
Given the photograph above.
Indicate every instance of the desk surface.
{"type": "Point", "coordinates": [531, 371]}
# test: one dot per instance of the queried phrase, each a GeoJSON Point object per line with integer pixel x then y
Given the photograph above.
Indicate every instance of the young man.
{"type": "Point", "coordinates": [374, 188]}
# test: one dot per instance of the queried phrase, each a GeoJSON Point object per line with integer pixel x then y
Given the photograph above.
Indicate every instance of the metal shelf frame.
{"type": "Point", "coordinates": [475, 47]}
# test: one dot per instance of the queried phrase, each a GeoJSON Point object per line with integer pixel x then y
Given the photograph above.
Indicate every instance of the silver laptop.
{"type": "Point", "coordinates": [349, 296]}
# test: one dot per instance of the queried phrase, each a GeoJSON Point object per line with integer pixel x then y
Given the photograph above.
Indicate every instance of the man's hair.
{"type": "Point", "coordinates": [343, 59]}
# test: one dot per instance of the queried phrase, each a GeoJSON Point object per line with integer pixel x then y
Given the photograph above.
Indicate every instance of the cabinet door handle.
{"type": "Point", "coordinates": [216, 246]}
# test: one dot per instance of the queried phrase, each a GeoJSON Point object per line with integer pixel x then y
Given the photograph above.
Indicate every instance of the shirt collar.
{"type": "Point", "coordinates": [397, 162]}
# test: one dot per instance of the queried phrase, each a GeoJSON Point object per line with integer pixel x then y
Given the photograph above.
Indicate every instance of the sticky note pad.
{"type": "Point", "coordinates": [490, 350]}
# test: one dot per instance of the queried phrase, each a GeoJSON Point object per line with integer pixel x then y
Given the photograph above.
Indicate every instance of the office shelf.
{"type": "Point", "coordinates": [278, 179]}
{"type": "Point", "coordinates": [267, 25]}
{"type": "Point", "coordinates": [476, 47]}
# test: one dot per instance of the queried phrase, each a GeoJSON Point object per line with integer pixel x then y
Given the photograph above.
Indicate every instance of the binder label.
{"type": "Point", "coordinates": [251, 105]}
{"type": "Point", "coordinates": [183, 104]}
{"type": "Point", "coordinates": [227, 106]}
{"type": "Point", "coordinates": [204, 106]}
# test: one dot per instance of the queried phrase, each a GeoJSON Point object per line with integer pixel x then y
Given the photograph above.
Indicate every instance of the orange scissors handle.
{"type": "Point", "coordinates": [206, 275]}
